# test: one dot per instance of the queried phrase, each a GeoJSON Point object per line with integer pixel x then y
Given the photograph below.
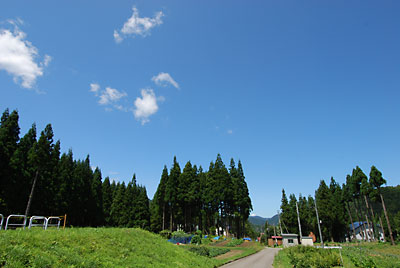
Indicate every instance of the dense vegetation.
{"type": "Point", "coordinates": [94, 247]}
{"type": "Point", "coordinates": [63, 185]}
{"type": "Point", "coordinates": [187, 199]}
{"type": "Point", "coordinates": [190, 199]}
{"type": "Point", "coordinates": [366, 255]}
{"type": "Point", "coordinates": [358, 200]}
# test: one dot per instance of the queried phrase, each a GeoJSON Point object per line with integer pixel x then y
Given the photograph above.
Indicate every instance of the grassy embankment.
{"type": "Point", "coordinates": [105, 247]}
{"type": "Point", "coordinates": [365, 255]}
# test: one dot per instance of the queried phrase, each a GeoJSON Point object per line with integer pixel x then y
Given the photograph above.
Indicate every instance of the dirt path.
{"type": "Point", "coordinates": [262, 259]}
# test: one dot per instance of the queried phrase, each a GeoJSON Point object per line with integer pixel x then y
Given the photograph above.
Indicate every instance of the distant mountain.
{"type": "Point", "coordinates": [260, 221]}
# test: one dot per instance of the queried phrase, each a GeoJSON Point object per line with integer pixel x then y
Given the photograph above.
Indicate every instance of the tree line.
{"type": "Point", "coordinates": [32, 168]}
{"type": "Point", "coordinates": [339, 206]}
{"type": "Point", "coordinates": [217, 199]}
{"type": "Point", "coordinates": [62, 184]}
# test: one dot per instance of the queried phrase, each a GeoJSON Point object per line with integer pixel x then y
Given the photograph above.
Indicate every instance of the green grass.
{"type": "Point", "coordinates": [215, 249]}
{"type": "Point", "coordinates": [242, 251]}
{"type": "Point", "coordinates": [234, 242]}
{"type": "Point", "coordinates": [365, 255]}
{"type": "Point", "coordinates": [370, 255]}
{"type": "Point", "coordinates": [94, 247]}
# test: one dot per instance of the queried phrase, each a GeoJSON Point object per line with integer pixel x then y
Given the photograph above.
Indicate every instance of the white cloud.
{"type": "Point", "coordinates": [230, 131]}
{"type": "Point", "coordinates": [162, 79]}
{"type": "Point", "coordinates": [145, 106]}
{"type": "Point", "coordinates": [110, 95]}
{"type": "Point", "coordinates": [136, 25]}
{"type": "Point", "coordinates": [47, 60]}
{"type": "Point", "coordinates": [94, 88]}
{"type": "Point", "coordinates": [18, 56]}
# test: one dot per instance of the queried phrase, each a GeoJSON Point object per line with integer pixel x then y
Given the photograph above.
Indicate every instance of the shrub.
{"type": "Point", "coordinates": [199, 233]}
{"type": "Point", "coordinates": [196, 240]}
{"type": "Point", "coordinates": [306, 257]}
{"type": "Point", "coordinates": [180, 237]}
{"type": "Point", "coordinates": [202, 251]}
{"type": "Point", "coordinates": [179, 234]}
{"type": "Point", "coordinates": [235, 242]}
{"type": "Point", "coordinates": [215, 251]}
{"type": "Point", "coordinates": [165, 234]}
{"type": "Point", "coordinates": [264, 239]}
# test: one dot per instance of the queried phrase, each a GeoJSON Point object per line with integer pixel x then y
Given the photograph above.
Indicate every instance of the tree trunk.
{"type": "Point", "coordinates": [352, 223]}
{"type": "Point", "coordinates": [28, 207]}
{"type": "Point", "coordinates": [170, 220]}
{"type": "Point", "coordinates": [163, 217]}
{"type": "Point", "coordinates": [373, 219]}
{"type": "Point", "coordinates": [369, 234]}
{"type": "Point", "coordinates": [383, 229]}
{"type": "Point", "coordinates": [387, 220]}
{"type": "Point", "coordinates": [372, 230]}
{"type": "Point", "coordinates": [358, 219]}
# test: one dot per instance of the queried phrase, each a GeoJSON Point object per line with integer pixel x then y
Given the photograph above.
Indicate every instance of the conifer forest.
{"type": "Point", "coordinates": [360, 199]}
{"type": "Point", "coordinates": [186, 199]}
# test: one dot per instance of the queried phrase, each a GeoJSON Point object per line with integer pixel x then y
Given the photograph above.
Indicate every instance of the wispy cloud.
{"type": "Point", "coordinates": [109, 97]}
{"type": "Point", "coordinates": [94, 88]}
{"type": "Point", "coordinates": [136, 25]}
{"type": "Point", "coordinates": [145, 106]}
{"type": "Point", "coordinates": [163, 79]}
{"type": "Point", "coordinates": [18, 56]}
{"type": "Point", "coordinates": [230, 131]}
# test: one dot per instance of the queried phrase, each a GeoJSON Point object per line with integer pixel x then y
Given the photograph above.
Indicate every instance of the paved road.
{"type": "Point", "coordinates": [262, 259]}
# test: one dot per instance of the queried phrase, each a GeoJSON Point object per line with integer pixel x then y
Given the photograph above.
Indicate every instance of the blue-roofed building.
{"type": "Point", "coordinates": [362, 230]}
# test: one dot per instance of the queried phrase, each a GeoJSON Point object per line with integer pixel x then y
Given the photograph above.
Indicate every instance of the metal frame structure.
{"type": "Point", "coordinates": [53, 225]}
{"type": "Point", "coordinates": [44, 224]}
{"type": "Point", "coordinates": [15, 224]}
{"type": "Point", "coordinates": [47, 221]}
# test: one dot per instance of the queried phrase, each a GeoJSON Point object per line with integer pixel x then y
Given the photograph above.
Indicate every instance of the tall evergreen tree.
{"type": "Point", "coordinates": [159, 220]}
{"type": "Point", "coordinates": [9, 136]}
{"type": "Point", "coordinates": [22, 173]}
{"type": "Point", "coordinates": [43, 158]}
{"type": "Point", "coordinates": [171, 192]}
{"type": "Point", "coordinates": [107, 201]}
{"type": "Point", "coordinates": [285, 211]}
{"type": "Point", "coordinates": [117, 207]}
{"type": "Point", "coordinates": [324, 204]}
{"type": "Point", "coordinates": [97, 194]}
{"type": "Point", "coordinates": [377, 181]}
{"type": "Point", "coordinates": [245, 206]}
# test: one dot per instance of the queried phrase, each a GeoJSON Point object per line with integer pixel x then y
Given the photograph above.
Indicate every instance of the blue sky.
{"type": "Point", "coordinates": [298, 91]}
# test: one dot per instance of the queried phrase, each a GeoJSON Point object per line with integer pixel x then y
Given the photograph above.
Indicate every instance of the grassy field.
{"type": "Point", "coordinates": [107, 247]}
{"type": "Point", "coordinates": [365, 255]}
{"type": "Point", "coordinates": [91, 247]}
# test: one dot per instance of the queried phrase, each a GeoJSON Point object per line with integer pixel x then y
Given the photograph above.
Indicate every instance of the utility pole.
{"type": "Point", "coordinates": [276, 240]}
{"type": "Point", "coordinates": [280, 225]}
{"type": "Point", "coordinates": [298, 219]}
{"type": "Point", "coordinates": [319, 227]}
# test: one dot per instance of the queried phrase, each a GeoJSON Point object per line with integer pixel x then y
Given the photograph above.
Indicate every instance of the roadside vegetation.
{"type": "Point", "coordinates": [352, 255]}
{"type": "Point", "coordinates": [220, 248]}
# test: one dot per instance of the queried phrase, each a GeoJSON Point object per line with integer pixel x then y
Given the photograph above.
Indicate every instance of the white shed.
{"type": "Point", "coordinates": [289, 240]}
